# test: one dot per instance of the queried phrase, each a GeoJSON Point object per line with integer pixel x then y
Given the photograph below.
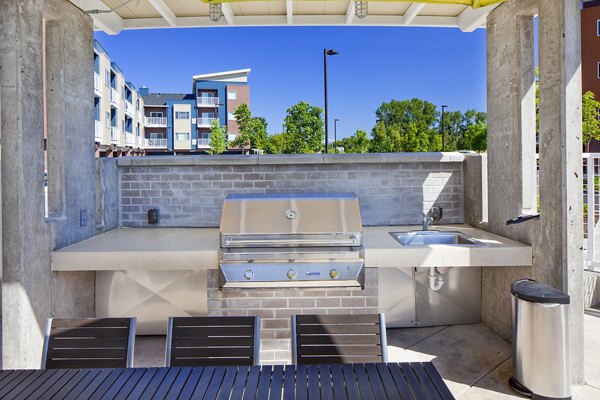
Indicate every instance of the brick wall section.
{"type": "Point", "coordinates": [275, 306]}
{"type": "Point", "coordinates": [393, 189]}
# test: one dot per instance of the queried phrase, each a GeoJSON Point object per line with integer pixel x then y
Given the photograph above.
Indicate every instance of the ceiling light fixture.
{"type": "Point", "coordinates": [215, 11]}
{"type": "Point", "coordinates": [361, 8]}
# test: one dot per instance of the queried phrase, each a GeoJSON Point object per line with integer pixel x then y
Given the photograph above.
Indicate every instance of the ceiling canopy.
{"type": "Point", "coordinates": [112, 16]}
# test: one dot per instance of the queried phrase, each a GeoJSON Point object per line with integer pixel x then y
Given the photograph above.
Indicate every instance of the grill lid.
{"type": "Point", "coordinates": [293, 214]}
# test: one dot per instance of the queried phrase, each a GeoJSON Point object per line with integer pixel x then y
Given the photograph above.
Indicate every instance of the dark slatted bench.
{"type": "Point", "coordinates": [338, 339]}
{"type": "Point", "coordinates": [89, 343]}
{"type": "Point", "coordinates": [195, 341]}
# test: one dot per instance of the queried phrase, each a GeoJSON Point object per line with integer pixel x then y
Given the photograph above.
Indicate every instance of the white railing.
{"type": "Point", "coordinates": [156, 121]}
{"type": "Point", "coordinates": [208, 101]}
{"type": "Point", "coordinates": [205, 122]}
{"type": "Point", "coordinates": [155, 143]}
{"type": "Point", "coordinates": [97, 84]}
{"type": "Point", "coordinates": [115, 135]}
{"type": "Point", "coordinates": [129, 139]}
{"type": "Point", "coordinates": [129, 108]}
{"type": "Point", "coordinates": [115, 99]}
{"type": "Point", "coordinates": [98, 130]}
{"type": "Point", "coordinates": [203, 142]}
{"type": "Point", "coordinates": [591, 178]}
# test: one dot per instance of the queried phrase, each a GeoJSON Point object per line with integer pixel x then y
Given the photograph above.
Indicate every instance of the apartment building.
{"type": "Point", "coordinates": [177, 123]}
{"type": "Point", "coordinates": [590, 53]}
{"type": "Point", "coordinates": [118, 109]}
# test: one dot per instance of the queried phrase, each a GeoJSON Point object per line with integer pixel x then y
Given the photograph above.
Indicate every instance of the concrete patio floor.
{"type": "Point", "coordinates": [474, 362]}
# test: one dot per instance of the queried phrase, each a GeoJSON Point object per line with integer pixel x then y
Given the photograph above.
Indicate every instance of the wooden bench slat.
{"type": "Point", "coordinates": [338, 359]}
{"type": "Point", "coordinates": [375, 381]}
{"type": "Point", "coordinates": [97, 343]}
{"type": "Point", "coordinates": [90, 363]}
{"type": "Point", "coordinates": [226, 352]}
{"type": "Point", "coordinates": [83, 353]}
{"type": "Point", "coordinates": [89, 333]}
{"type": "Point", "coordinates": [213, 341]}
{"type": "Point", "coordinates": [67, 386]}
{"type": "Point", "coordinates": [393, 391]}
{"type": "Point", "coordinates": [312, 350]}
{"type": "Point", "coordinates": [325, 382]}
{"type": "Point", "coordinates": [213, 321]}
{"type": "Point", "coordinates": [91, 322]}
{"type": "Point", "coordinates": [264, 381]}
{"type": "Point", "coordinates": [96, 382]}
{"type": "Point", "coordinates": [179, 383]}
{"type": "Point", "coordinates": [437, 380]}
{"type": "Point", "coordinates": [276, 383]}
{"type": "Point", "coordinates": [289, 378]}
{"type": "Point", "coordinates": [240, 382]}
{"type": "Point", "coordinates": [338, 329]}
{"type": "Point", "coordinates": [339, 339]}
{"type": "Point", "coordinates": [252, 383]}
{"type": "Point", "coordinates": [203, 383]}
{"type": "Point", "coordinates": [337, 319]}
{"type": "Point", "coordinates": [215, 383]}
{"type": "Point", "coordinates": [425, 380]}
{"type": "Point", "coordinates": [28, 380]}
{"type": "Point", "coordinates": [227, 385]}
{"type": "Point", "coordinates": [50, 376]}
{"type": "Point", "coordinates": [301, 382]}
{"type": "Point", "coordinates": [403, 372]}
{"type": "Point", "coordinates": [164, 387]}
{"type": "Point", "coordinates": [217, 331]}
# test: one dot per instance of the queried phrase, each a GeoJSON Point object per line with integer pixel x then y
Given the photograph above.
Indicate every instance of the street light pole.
{"type": "Point", "coordinates": [325, 54]}
{"type": "Point", "coordinates": [335, 134]}
{"type": "Point", "coordinates": [443, 130]}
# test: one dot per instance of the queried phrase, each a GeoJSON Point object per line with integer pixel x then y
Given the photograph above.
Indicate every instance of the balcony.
{"type": "Point", "coordinates": [98, 130]}
{"type": "Point", "coordinates": [129, 110]}
{"type": "Point", "coordinates": [115, 99]}
{"type": "Point", "coordinates": [97, 85]}
{"type": "Point", "coordinates": [205, 122]}
{"type": "Point", "coordinates": [155, 143]}
{"type": "Point", "coordinates": [129, 139]}
{"type": "Point", "coordinates": [115, 135]}
{"type": "Point", "coordinates": [156, 121]}
{"type": "Point", "coordinates": [203, 143]}
{"type": "Point", "coordinates": [208, 102]}
{"type": "Point", "coordinates": [140, 117]}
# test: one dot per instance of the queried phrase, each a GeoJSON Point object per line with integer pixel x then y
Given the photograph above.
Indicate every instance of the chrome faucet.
{"type": "Point", "coordinates": [435, 214]}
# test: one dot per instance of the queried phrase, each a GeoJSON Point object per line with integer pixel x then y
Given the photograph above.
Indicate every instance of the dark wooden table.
{"type": "Point", "coordinates": [419, 381]}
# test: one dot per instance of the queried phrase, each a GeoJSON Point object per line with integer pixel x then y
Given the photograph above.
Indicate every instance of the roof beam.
{"type": "Point", "coordinates": [165, 11]}
{"type": "Point", "coordinates": [471, 19]}
{"type": "Point", "coordinates": [289, 12]}
{"type": "Point", "coordinates": [227, 13]}
{"type": "Point", "coordinates": [110, 23]}
{"type": "Point", "coordinates": [350, 13]}
{"type": "Point", "coordinates": [412, 12]}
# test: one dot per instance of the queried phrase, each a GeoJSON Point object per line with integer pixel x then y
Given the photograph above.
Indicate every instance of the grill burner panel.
{"type": "Point", "coordinates": [291, 240]}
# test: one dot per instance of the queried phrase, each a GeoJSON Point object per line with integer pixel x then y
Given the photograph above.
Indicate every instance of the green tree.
{"type": "Point", "coordinates": [253, 130]}
{"type": "Point", "coordinates": [277, 144]}
{"type": "Point", "coordinates": [357, 143]}
{"type": "Point", "coordinates": [304, 127]}
{"type": "Point", "coordinates": [218, 134]}
{"type": "Point", "coordinates": [405, 125]}
{"type": "Point", "coordinates": [590, 126]}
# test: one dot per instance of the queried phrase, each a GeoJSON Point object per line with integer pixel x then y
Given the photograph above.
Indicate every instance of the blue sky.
{"type": "Point", "coordinates": [375, 65]}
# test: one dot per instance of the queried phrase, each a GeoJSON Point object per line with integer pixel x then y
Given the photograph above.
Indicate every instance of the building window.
{"type": "Point", "coordinates": [230, 116]}
{"type": "Point", "coordinates": [108, 119]}
{"type": "Point", "coordinates": [182, 136]}
{"type": "Point", "coordinates": [598, 70]}
{"type": "Point", "coordinates": [156, 114]}
{"type": "Point", "coordinates": [182, 115]}
{"type": "Point", "coordinates": [231, 95]}
{"type": "Point", "coordinates": [207, 94]}
{"type": "Point", "coordinates": [156, 135]}
{"type": "Point", "coordinates": [106, 78]}
{"type": "Point", "coordinates": [598, 27]}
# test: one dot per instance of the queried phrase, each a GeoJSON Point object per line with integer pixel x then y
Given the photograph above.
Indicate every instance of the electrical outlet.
{"type": "Point", "coordinates": [83, 218]}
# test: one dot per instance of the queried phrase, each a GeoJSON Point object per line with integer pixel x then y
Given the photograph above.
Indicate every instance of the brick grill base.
{"type": "Point", "coordinates": [275, 306]}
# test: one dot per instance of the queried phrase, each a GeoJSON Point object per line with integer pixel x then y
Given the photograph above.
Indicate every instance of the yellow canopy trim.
{"type": "Point", "coordinates": [471, 3]}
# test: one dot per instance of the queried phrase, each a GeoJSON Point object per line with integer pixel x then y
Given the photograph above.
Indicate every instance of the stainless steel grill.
{"type": "Point", "coordinates": [291, 240]}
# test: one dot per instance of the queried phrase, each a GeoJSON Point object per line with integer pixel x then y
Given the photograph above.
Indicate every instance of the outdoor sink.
{"type": "Point", "coordinates": [423, 238]}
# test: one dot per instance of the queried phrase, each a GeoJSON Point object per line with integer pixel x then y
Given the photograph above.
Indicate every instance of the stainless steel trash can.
{"type": "Point", "coordinates": [540, 333]}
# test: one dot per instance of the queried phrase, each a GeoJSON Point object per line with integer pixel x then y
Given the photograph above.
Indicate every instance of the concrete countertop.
{"type": "Point", "coordinates": [197, 248]}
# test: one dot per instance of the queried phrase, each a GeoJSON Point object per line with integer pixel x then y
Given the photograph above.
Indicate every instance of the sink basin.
{"type": "Point", "coordinates": [423, 238]}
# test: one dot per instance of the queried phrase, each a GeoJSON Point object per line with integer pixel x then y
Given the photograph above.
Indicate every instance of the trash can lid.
{"type": "Point", "coordinates": [535, 292]}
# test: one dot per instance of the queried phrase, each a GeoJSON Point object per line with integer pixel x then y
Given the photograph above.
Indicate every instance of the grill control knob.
{"type": "Point", "coordinates": [291, 274]}
{"type": "Point", "coordinates": [248, 274]}
{"type": "Point", "coordinates": [334, 274]}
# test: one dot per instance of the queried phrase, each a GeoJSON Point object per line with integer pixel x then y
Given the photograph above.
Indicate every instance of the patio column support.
{"type": "Point", "coordinates": [556, 237]}
{"type": "Point", "coordinates": [560, 160]}
{"type": "Point", "coordinates": [31, 292]}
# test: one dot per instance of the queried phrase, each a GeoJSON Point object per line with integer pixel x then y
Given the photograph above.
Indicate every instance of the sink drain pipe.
{"type": "Point", "coordinates": [436, 280]}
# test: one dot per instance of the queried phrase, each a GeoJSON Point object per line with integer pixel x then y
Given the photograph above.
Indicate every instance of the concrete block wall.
{"type": "Point", "coordinates": [275, 306]}
{"type": "Point", "coordinates": [393, 189]}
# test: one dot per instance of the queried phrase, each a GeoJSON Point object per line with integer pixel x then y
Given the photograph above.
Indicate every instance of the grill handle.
{"type": "Point", "coordinates": [291, 242]}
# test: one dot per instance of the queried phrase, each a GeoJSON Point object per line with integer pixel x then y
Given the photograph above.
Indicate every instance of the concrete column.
{"type": "Point", "coordinates": [556, 237]}
{"type": "Point", "coordinates": [560, 256]}
{"type": "Point", "coordinates": [31, 292]}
